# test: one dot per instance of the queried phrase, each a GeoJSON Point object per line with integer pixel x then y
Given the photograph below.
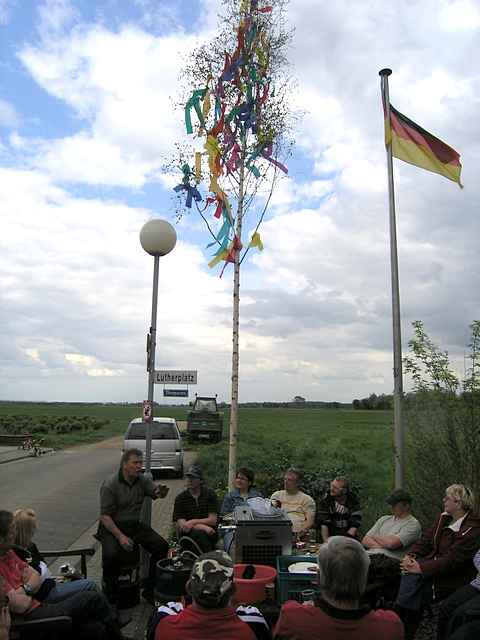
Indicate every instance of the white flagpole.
{"type": "Point", "coordinates": [399, 436]}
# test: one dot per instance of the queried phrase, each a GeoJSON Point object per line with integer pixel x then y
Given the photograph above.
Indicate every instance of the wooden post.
{"type": "Point", "coordinates": [232, 451]}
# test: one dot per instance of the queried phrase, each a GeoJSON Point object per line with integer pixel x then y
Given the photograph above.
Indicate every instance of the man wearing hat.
{"type": "Point", "coordinates": [391, 535]}
{"type": "Point", "coordinates": [387, 543]}
{"type": "Point", "coordinates": [210, 615]}
{"type": "Point", "coordinates": [195, 514]}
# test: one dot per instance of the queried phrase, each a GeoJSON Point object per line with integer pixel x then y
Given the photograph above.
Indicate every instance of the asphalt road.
{"type": "Point", "coordinates": [63, 488]}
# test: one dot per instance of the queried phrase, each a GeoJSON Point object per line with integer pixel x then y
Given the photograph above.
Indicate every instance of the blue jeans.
{"type": "Point", "coordinates": [415, 592]}
{"type": "Point", "coordinates": [63, 590]}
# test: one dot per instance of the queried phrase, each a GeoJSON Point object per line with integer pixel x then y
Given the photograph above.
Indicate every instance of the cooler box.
{"type": "Point", "coordinates": [290, 585]}
{"type": "Point", "coordinates": [262, 541]}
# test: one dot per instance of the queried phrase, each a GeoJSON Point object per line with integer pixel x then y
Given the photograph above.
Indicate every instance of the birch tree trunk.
{"type": "Point", "coordinates": [232, 453]}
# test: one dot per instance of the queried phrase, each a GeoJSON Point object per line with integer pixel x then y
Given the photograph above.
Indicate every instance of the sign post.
{"type": "Point", "coordinates": [175, 376]}
{"type": "Point", "coordinates": [175, 393]}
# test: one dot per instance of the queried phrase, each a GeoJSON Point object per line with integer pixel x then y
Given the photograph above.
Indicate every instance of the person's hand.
{"type": "Point", "coordinates": [25, 574]}
{"type": "Point", "coordinates": [161, 490]}
{"type": "Point", "coordinates": [125, 543]}
{"type": "Point", "coordinates": [4, 612]}
{"type": "Point", "coordinates": [206, 528]}
{"type": "Point", "coordinates": [4, 621]}
{"type": "Point", "coordinates": [410, 565]}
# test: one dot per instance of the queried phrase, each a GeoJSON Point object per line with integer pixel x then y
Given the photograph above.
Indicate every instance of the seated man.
{"type": "Point", "coordinates": [210, 614]}
{"type": "Point", "coordinates": [195, 514]}
{"type": "Point", "coordinates": [338, 513]}
{"type": "Point", "coordinates": [299, 506]}
{"type": "Point", "coordinates": [121, 500]}
{"type": "Point", "coordinates": [20, 583]}
{"type": "Point", "coordinates": [386, 543]}
{"type": "Point", "coordinates": [392, 535]}
{"type": "Point", "coordinates": [343, 568]}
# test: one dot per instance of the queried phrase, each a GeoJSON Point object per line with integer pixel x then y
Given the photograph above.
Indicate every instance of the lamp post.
{"type": "Point", "coordinates": [157, 238]}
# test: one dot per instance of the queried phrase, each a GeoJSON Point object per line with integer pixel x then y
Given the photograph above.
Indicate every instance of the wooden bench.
{"type": "Point", "coordinates": [14, 439]}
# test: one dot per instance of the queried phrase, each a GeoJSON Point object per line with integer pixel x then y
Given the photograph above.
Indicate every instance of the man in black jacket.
{"type": "Point", "coordinates": [195, 514]}
{"type": "Point", "coordinates": [338, 513]}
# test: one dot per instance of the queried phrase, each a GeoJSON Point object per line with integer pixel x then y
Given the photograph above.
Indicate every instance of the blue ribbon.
{"type": "Point", "coordinates": [192, 193]}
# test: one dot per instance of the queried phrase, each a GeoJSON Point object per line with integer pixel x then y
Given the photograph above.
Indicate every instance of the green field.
{"type": "Point", "coordinates": [321, 441]}
{"type": "Point", "coordinates": [115, 416]}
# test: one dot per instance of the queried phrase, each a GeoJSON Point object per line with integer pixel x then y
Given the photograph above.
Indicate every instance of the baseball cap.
{"type": "Point", "coordinates": [194, 471]}
{"type": "Point", "coordinates": [211, 577]}
{"type": "Point", "coordinates": [399, 495]}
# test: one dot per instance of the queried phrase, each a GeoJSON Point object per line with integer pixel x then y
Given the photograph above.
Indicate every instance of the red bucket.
{"type": "Point", "coordinates": [253, 590]}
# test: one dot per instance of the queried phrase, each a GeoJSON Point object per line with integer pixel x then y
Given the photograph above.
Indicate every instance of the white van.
{"type": "Point", "coordinates": [167, 451]}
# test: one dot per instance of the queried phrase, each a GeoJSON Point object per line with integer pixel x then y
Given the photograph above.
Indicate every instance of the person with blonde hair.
{"type": "Point", "coordinates": [92, 616]}
{"type": "Point", "coordinates": [51, 590]}
{"type": "Point", "coordinates": [441, 561]}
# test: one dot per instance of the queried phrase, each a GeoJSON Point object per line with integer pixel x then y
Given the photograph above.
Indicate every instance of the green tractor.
{"type": "Point", "coordinates": [204, 420]}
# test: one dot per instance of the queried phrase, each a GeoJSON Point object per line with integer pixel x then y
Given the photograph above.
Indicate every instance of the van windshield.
{"type": "Point", "coordinates": [160, 431]}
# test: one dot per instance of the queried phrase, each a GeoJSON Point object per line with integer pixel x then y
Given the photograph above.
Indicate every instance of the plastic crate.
{"type": "Point", "coordinates": [291, 585]}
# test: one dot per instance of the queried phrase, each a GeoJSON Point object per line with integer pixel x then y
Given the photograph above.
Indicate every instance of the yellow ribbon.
{"type": "Point", "coordinates": [198, 166]}
{"type": "Point", "coordinates": [206, 105]}
{"type": "Point", "coordinates": [256, 241]}
{"type": "Point", "coordinates": [218, 258]}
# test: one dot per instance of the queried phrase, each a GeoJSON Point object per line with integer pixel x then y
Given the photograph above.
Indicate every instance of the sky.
{"type": "Point", "coordinates": [87, 118]}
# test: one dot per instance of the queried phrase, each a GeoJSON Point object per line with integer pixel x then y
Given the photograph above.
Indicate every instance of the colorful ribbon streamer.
{"type": "Point", "coordinates": [194, 103]}
{"type": "Point", "coordinates": [230, 110]}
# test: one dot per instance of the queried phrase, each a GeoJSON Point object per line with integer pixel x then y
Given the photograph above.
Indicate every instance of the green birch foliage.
{"type": "Point", "coordinates": [442, 418]}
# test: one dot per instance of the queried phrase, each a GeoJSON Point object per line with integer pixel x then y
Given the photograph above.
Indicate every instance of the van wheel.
{"type": "Point", "coordinates": [179, 473]}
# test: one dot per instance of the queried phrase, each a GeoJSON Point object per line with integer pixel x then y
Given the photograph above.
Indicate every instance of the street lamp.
{"type": "Point", "coordinates": [157, 238]}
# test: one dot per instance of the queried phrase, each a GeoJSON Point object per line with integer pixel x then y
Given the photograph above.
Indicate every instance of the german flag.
{"type": "Point", "coordinates": [414, 145]}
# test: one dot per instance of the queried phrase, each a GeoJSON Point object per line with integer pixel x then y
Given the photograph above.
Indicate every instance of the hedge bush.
{"type": "Point", "coordinates": [49, 425]}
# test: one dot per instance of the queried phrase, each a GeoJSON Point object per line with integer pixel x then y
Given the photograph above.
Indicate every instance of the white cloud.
{"type": "Point", "coordinates": [122, 84]}
{"type": "Point", "coordinates": [73, 270]}
{"type": "Point", "coordinates": [462, 15]}
{"type": "Point", "coordinates": [55, 16]}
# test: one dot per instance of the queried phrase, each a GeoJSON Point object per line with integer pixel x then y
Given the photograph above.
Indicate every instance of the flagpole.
{"type": "Point", "coordinates": [399, 436]}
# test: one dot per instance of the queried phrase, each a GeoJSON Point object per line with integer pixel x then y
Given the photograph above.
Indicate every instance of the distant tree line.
{"type": "Point", "coordinates": [307, 404]}
{"type": "Point", "coordinates": [373, 401]}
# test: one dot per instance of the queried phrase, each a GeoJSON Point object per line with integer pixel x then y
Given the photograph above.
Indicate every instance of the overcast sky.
{"type": "Point", "coordinates": [86, 121]}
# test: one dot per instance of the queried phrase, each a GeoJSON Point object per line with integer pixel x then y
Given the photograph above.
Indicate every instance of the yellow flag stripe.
{"type": "Point", "coordinates": [410, 152]}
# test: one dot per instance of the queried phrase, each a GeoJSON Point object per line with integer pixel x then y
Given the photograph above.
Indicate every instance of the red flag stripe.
{"type": "Point", "coordinates": [406, 128]}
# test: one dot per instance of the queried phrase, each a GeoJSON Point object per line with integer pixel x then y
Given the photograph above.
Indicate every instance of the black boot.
{"type": "Point", "coordinates": [411, 620]}
{"type": "Point", "coordinates": [113, 631]}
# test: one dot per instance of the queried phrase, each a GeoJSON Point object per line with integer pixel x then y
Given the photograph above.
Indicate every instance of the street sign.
{"type": "Point", "coordinates": [168, 376]}
{"type": "Point", "coordinates": [175, 393]}
{"type": "Point", "coordinates": [147, 411]}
